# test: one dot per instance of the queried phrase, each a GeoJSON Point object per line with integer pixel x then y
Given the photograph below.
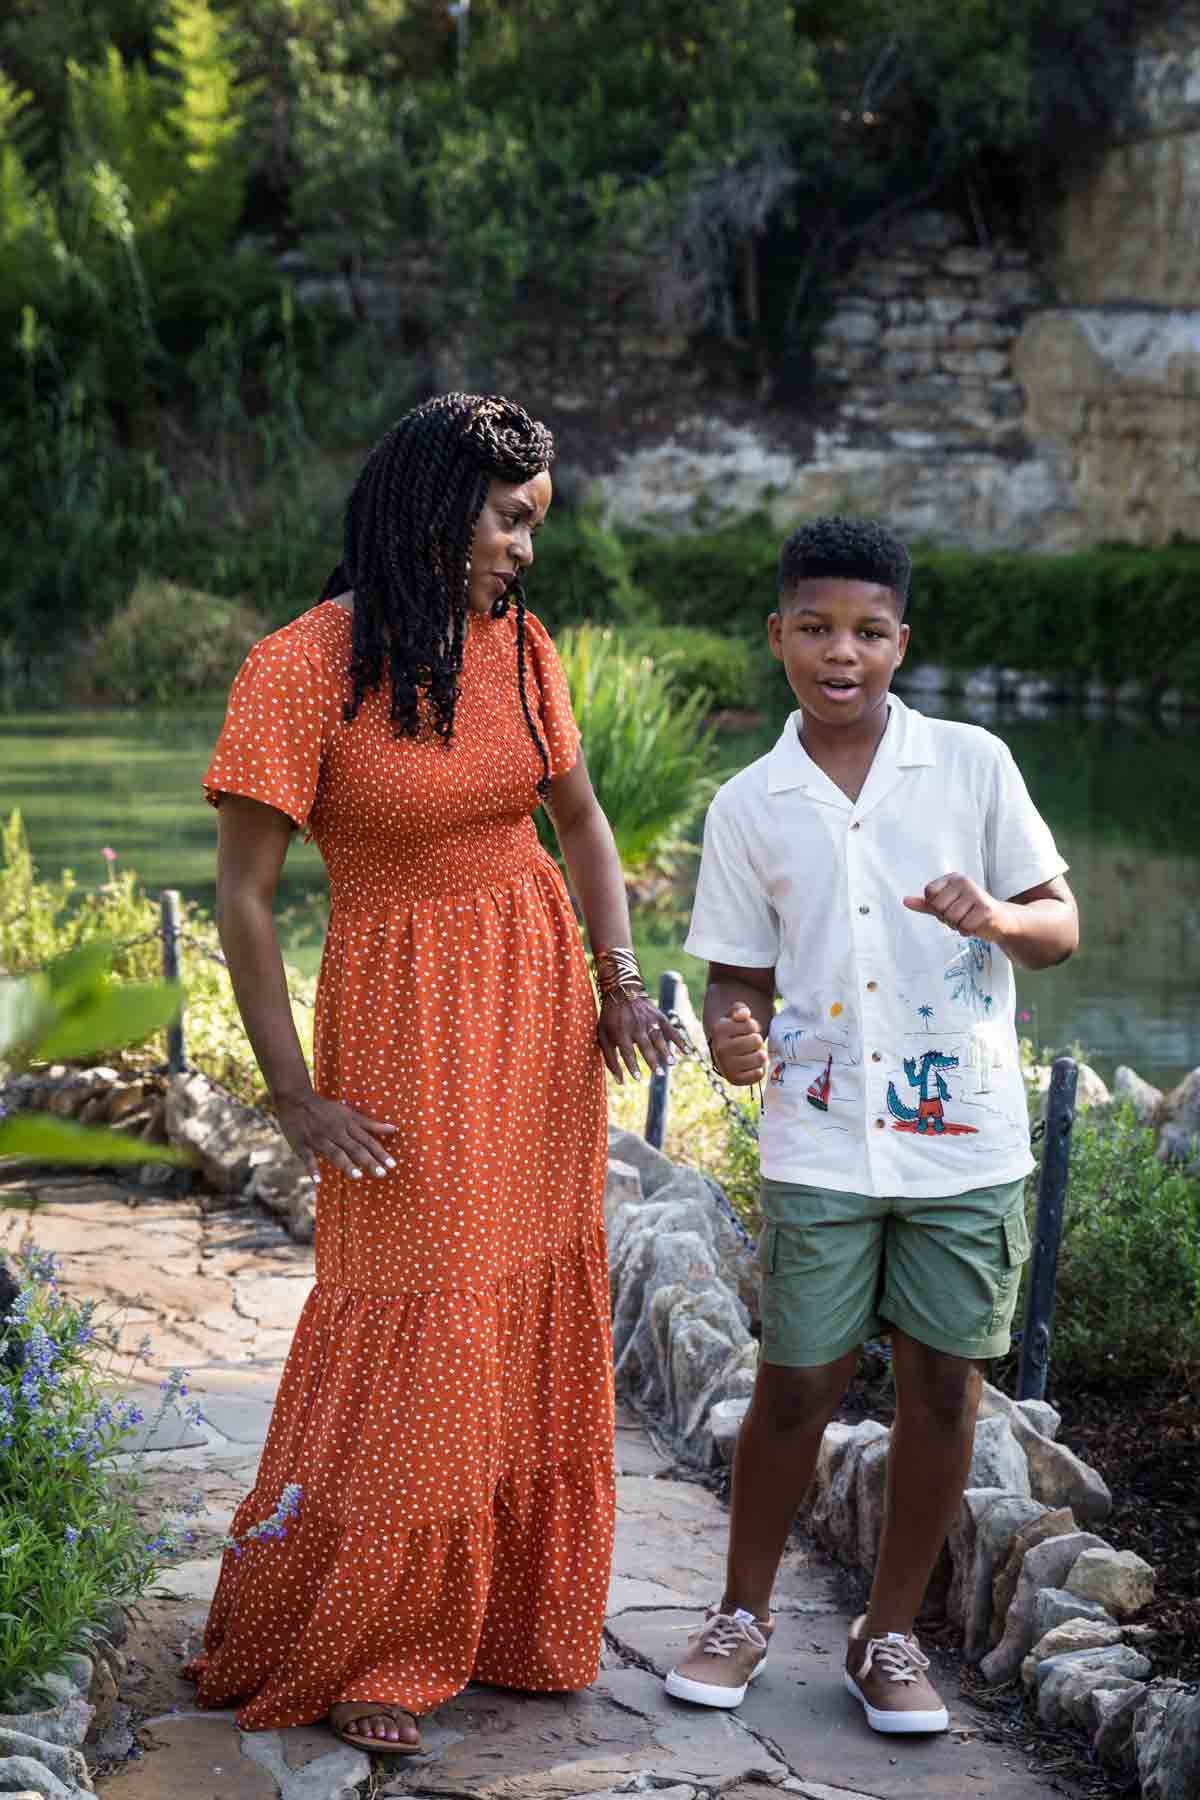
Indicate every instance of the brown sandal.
{"type": "Point", "coordinates": [362, 1709]}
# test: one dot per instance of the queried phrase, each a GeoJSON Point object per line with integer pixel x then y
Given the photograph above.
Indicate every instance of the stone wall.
{"type": "Point", "coordinates": [971, 395]}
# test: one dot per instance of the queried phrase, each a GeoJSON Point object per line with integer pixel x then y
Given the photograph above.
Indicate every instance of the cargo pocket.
{"type": "Point", "coordinates": [1014, 1255]}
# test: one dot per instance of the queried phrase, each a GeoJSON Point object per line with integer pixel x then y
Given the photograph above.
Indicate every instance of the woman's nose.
{"type": "Point", "coordinates": [521, 546]}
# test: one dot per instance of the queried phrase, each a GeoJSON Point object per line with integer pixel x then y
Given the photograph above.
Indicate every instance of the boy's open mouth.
{"type": "Point", "coordinates": [837, 689]}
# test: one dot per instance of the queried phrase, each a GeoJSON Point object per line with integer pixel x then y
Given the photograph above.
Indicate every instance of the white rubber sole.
{"type": "Point", "coordinates": [702, 1693]}
{"type": "Point", "coordinates": [897, 1724]}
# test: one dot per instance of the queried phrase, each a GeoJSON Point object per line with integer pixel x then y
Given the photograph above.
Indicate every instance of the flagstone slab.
{"type": "Point", "coordinates": [196, 1757]}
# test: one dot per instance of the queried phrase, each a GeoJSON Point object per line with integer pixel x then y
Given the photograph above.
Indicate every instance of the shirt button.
{"type": "Point", "coordinates": [876, 1056]}
{"type": "Point", "coordinates": [856, 826]}
{"type": "Point", "coordinates": [872, 987]}
{"type": "Point", "coordinates": [864, 909]}
{"type": "Point", "coordinates": [879, 1124]}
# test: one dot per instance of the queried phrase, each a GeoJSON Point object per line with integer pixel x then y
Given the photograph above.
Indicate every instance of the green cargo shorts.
{"type": "Point", "coordinates": [839, 1268]}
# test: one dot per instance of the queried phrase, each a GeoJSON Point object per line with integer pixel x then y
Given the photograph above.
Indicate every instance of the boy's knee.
{"type": "Point", "coordinates": [787, 1400]}
{"type": "Point", "coordinates": [945, 1389]}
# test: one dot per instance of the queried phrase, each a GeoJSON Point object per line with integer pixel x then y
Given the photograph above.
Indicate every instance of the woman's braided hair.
{"type": "Point", "coordinates": [410, 521]}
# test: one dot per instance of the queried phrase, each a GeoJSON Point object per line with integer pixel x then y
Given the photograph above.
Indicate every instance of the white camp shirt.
{"type": "Point", "coordinates": [905, 1030]}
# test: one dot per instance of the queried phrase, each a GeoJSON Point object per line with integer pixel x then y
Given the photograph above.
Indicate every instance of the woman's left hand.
{"type": "Point", "coordinates": [627, 1026]}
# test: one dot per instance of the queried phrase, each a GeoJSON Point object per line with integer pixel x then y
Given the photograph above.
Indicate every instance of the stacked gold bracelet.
{"type": "Point", "coordinates": [618, 975]}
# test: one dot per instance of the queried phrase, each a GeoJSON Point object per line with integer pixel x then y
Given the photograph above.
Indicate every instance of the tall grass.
{"type": "Point", "coordinates": [650, 756]}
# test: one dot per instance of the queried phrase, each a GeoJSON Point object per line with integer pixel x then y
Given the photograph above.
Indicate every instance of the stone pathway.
{"type": "Point", "coordinates": [219, 1291]}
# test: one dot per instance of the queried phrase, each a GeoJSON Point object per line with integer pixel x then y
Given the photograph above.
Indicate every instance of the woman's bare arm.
{"type": "Point", "coordinates": [252, 843]}
{"type": "Point", "coordinates": [590, 853]}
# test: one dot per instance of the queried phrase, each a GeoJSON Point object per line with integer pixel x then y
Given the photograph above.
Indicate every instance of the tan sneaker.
{"type": "Point", "coordinates": [723, 1657]}
{"type": "Point", "coordinates": [888, 1675]}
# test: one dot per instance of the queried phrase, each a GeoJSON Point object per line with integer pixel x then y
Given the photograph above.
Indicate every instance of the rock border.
{"type": "Point", "coordinates": [1033, 1589]}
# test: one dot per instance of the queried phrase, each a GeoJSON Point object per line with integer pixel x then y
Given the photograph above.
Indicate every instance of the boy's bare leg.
{"type": "Point", "coordinates": [937, 1397]}
{"type": "Point", "coordinates": [772, 1468]}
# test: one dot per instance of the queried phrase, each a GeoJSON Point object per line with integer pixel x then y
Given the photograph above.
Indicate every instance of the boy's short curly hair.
{"type": "Point", "coordinates": [847, 550]}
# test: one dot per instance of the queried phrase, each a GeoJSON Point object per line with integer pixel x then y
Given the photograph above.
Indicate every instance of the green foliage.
{"type": "Point", "coordinates": [1073, 615]}
{"type": "Point", "coordinates": [42, 921]}
{"type": "Point", "coordinates": [730, 672]}
{"type": "Point", "coordinates": [166, 643]}
{"type": "Point", "coordinates": [1128, 1305]}
{"type": "Point", "coordinates": [649, 756]}
{"type": "Point", "coordinates": [700, 1133]}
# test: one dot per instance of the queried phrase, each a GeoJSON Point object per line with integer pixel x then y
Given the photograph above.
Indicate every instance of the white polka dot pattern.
{"type": "Point", "coordinates": [447, 1403]}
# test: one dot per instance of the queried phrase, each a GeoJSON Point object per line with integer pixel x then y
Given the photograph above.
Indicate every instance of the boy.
{"type": "Point", "coordinates": [881, 872]}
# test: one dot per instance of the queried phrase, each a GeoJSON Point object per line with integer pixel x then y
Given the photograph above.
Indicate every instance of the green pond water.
{"type": "Point", "coordinates": [1122, 796]}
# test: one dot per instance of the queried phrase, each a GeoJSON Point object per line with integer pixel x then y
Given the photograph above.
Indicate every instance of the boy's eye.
{"type": "Point", "coordinates": [867, 632]}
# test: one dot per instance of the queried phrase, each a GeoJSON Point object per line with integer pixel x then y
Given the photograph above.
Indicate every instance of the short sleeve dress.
{"type": "Point", "coordinates": [447, 1406]}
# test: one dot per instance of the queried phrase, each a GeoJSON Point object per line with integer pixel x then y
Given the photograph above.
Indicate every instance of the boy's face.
{"type": "Point", "coordinates": [840, 643]}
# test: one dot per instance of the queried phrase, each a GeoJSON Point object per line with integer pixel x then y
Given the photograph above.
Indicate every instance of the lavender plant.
{"type": "Point", "coordinates": [72, 1538]}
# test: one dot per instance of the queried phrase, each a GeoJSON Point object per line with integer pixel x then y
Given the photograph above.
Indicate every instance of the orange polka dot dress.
{"type": "Point", "coordinates": [447, 1404]}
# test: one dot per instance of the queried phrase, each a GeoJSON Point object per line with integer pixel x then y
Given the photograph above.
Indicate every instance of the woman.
{"type": "Point", "coordinates": [446, 1407]}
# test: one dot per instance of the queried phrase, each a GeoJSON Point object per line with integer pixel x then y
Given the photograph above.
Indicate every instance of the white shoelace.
{"type": "Point", "coordinates": [726, 1632]}
{"type": "Point", "coordinates": [899, 1658]}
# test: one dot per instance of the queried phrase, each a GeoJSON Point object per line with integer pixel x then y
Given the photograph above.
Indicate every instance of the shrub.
{"type": "Point", "coordinates": [70, 1518]}
{"type": "Point", "coordinates": [730, 671]}
{"type": "Point", "coordinates": [166, 643]}
{"type": "Point", "coordinates": [1073, 616]}
{"type": "Point", "coordinates": [651, 759]}
{"type": "Point", "coordinates": [43, 920]}
{"type": "Point", "coordinates": [73, 1542]}
{"type": "Point", "coordinates": [1128, 1302]}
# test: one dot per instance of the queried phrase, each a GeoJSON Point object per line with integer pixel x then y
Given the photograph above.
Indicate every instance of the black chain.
{"type": "Point", "coordinates": [214, 956]}
{"type": "Point", "coordinates": [734, 1112]}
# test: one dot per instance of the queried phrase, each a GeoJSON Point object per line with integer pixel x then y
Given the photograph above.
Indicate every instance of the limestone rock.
{"type": "Point", "coordinates": [1167, 1740]}
{"type": "Point", "coordinates": [25, 1778]}
{"type": "Point", "coordinates": [870, 1500]}
{"type": "Point", "coordinates": [278, 1180]}
{"type": "Point", "coordinates": [1066, 1683]}
{"type": "Point", "coordinates": [1176, 1144]}
{"type": "Point", "coordinates": [1181, 1107]}
{"type": "Point", "coordinates": [66, 1724]}
{"type": "Point", "coordinates": [1056, 1475]}
{"type": "Point", "coordinates": [1075, 1634]}
{"type": "Point", "coordinates": [835, 1508]}
{"type": "Point", "coordinates": [1058, 1606]}
{"type": "Point", "coordinates": [1051, 1522]}
{"type": "Point", "coordinates": [1129, 1088]}
{"type": "Point", "coordinates": [652, 1166]}
{"type": "Point", "coordinates": [218, 1130]}
{"type": "Point", "coordinates": [622, 1183]}
{"type": "Point", "coordinates": [1044, 1418]}
{"type": "Point", "coordinates": [1118, 1580]}
{"type": "Point", "coordinates": [979, 1540]}
{"type": "Point", "coordinates": [651, 1261]}
{"type": "Point", "coordinates": [1045, 1565]}
{"type": "Point", "coordinates": [1091, 1089]}
{"type": "Point", "coordinates": [997, 1460]}
{"type": "Point", "coordinates": [63, 1761]}
{"type": "Point", "coordinates": [1113, 1712]}
{"type": "Point", "coordinates": [724, 1423]}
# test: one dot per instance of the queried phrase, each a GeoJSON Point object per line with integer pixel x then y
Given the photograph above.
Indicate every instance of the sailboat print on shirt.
{"type": "Point", "coordinates": [819, 1088]}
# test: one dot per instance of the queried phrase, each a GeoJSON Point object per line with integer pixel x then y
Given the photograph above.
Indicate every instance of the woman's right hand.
{"type": "Point", "coordinates": [325, 1128]}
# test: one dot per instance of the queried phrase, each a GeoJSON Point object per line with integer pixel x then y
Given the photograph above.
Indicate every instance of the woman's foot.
{"type": "Point", "coordinates": [368, 1725]}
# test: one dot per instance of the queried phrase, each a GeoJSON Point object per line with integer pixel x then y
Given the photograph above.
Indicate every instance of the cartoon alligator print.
{"type": "Point", "coordinates": [927, 1118]}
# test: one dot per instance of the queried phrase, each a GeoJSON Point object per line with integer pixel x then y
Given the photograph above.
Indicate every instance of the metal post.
{"type": "Point", "coordinates": [171, 928]}
{"type": "Point", "coordinates": [1052, 1194]}
{"type": "Point", "coordinates": [460, 12]}
{"type": "Point", "coordinates": [669, 989]}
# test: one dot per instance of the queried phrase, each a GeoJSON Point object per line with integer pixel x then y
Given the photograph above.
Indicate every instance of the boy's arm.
{"type": "Point", "coordinates": [738, 1007]}
{"type": "Point", "coordinates": [1035, 929]}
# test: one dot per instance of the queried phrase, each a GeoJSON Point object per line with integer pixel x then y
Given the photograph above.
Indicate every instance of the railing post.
{"type": "Point", "coordinates": [176, 1057]}
{"type": "Point", "coordinates": [1052, 1193]}
{"type": "Point", "coordinates": [669, 989]}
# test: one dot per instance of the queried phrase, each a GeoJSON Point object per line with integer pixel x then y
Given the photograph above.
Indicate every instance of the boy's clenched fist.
{"type": "Point", "coordinates": [739, 1051]}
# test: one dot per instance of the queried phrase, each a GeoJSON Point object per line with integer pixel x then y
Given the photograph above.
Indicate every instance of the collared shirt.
{"type": "Point", "coordinates": [893, 1056]}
